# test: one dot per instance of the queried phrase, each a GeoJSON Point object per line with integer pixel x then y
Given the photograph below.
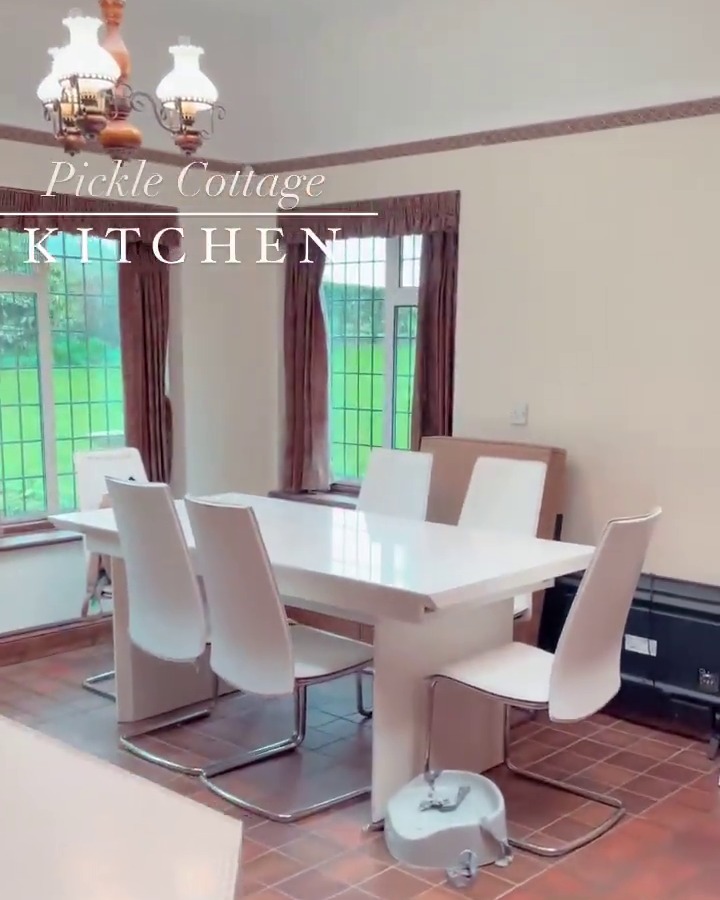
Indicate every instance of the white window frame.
{"type": "Point", "coordinates": [36, 282]}
{"type": "Point", "coordinates": [395, 296]}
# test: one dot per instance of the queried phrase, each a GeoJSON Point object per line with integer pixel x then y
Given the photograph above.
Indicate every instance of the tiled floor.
{"type": "Point", "coordinates": [668, 848]}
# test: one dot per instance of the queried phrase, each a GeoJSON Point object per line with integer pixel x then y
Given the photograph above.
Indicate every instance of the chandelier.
{"type": "Point", "coordinates": [88, 99]}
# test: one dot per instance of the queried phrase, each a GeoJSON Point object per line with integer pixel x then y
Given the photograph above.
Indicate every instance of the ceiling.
{"type": "Point", "coordinates": [317, 76]}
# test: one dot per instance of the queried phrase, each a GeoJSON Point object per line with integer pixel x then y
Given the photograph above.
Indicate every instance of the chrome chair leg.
{"type": "Point", "coordinates": [432, 684]}
{"type": "Point", "coordinates": [268, 752]}
{"type": "Point", "coordinates": [129, 742]}
{"type": "Point", "coordinates": [90, 684]}
{"type": "Point", "coordinates": [359, 695]}
{"type": "Point", "coordinates": [538, 849]}
{"type": "Point", "coordinates": [594, 833]}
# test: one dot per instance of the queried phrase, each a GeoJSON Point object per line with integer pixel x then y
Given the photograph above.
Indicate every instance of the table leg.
{"type": "Point", "coordinates": [467, 732]}
{"type": "Point", "coordinates": [147, 686]}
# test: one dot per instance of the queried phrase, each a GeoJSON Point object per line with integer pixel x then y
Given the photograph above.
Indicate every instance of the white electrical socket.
{"type": "Point", "coordinates": [519, 414]}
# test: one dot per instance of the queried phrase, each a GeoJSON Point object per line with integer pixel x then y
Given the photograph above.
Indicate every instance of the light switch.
{"type": "Point", "coordinates": [519, 414]}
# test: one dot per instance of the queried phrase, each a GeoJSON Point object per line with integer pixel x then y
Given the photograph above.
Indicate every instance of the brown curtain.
{"type": "Point", "coordinates": [436, 217]}
{"type": "Point", "coordinates": [435, 353]}
{"type": "Point", "coordinates": [144, 329]}
{"type": "Point", "coordinates": [306, 456]}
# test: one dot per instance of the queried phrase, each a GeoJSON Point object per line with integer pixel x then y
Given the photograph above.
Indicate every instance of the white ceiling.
{"type": "Point", "coordinates": [300, 77]}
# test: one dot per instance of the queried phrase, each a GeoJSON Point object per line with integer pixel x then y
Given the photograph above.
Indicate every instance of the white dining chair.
{"type": "Point", "coordinates": [396, 483]}
{"type": "Point", "coordinates": [91, 469]}
{"type": "Point", "coordinates": [165, 604]}
{"type": "Point", "coordinates": [506, 495]}
{"type": "Point", "coordinates": [253, 647]}
{"type": "Point", "coordinates": [583, 674]}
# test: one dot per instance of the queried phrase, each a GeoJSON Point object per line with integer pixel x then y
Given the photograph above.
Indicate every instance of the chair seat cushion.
{"type": "Point", "coordinates": [318, 653]}
{"type": "Point", "coordinates": [518, 673]}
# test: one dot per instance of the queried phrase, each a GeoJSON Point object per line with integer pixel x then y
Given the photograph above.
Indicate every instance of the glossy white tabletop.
{"type": "Point", "coordinates": [79, 828]}
{"type": "Point", "coordinates": [442, 563]}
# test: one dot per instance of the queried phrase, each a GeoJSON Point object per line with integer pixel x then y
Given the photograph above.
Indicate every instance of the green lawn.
{"type": "Point", "coordinates": [357, 396]}
{"type": "Point", "coordinates": [88, 413]}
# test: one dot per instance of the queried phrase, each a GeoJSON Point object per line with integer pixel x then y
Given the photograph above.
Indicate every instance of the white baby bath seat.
{"type": "Point", "coordinates": [448, 820]}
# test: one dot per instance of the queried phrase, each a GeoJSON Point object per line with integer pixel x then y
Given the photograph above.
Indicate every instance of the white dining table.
{"type": "Point", "coordinates": [80, 828]}
{"type": "Point", "coordinates": [433, 592]}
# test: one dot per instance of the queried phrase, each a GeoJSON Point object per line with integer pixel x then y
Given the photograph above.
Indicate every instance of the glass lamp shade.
{"type": "Point", "coordinates": [83, 57]}
{"type": "Point", "coordinates": [49, 90]}
{"type": "Point", "coordinates": [186, 84]}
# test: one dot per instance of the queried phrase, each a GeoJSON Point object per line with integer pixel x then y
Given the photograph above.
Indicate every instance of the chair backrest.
{"type": "Point", "coordinates": [396, 483]}
{"type": "Point", "coordinates": [586, 669]}
{"type": "Point", "coordinates": [92, 467]}
{"type": "Point", "coordinates": [251, 647]}
{"type": "Point", "coordinates": [166, 610]}
{"type": "Point", "coordinates": [504, 495]}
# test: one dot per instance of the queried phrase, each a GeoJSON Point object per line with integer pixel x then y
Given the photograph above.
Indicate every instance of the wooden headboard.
{"type": "Point", "coordinates": [453, 461]}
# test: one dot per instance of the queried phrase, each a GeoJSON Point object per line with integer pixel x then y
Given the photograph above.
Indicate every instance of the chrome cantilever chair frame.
{"type": "Point", "coordinates": [360, 694]}
{"type": "Point", "coordinates": [279, 748]}
{"type": "Point", "coordinates": [91, 684]}
{"type": "Point", "coordinates": [127, 741]}
{"type": "Point", "coordinates": [538, 849]}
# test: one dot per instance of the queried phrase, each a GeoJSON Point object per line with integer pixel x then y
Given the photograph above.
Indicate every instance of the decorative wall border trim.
{"type": "Point", "coordinates": [649, 115]}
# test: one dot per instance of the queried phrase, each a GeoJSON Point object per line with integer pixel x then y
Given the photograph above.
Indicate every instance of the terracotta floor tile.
{"type": "Point", "coordinates": [486, 886]}
{"type": "Point", "coordinates": [570, 761]}
{"type": "Point", "coordinates": [668, 771]}
{"type": "Point", "coordinates": [272, 867]}
{"type": "Point", "coordinates": [655, 749]}
{"type": "Point", "coordinates": [275, 834]}
{"type": "Point", "coordinates": [634, 762]}
{"type": "Point", "coordinates": [648, 786]}
{"type": "Point", "coordinates": [523, 867]}
{"type": "Point", "coordinates": [556, 884]}
{"type": "Point", "coordinates": [606, 775]}
{"type": "Point", "coordinates": [530, 751]}
{"type": "Point", "coordinates": [393, 884]}
{"type": "Point", "coordinates": [619, 739]}
{"type": "Point", "coordinates": [567, 829]}
{"type": "Point", "coordinates": [354, 867]}
{"type": "Point", "coordinates": [353, 893]}
{"type": "Point", "coordinates": [264, 894]}
{"type": "Point", "coordinates": [635, 804]}
{"type": "Point", "coordinates": [552, 738]}
{"type": "Point", "coordinates": [593, 749]}
{"type": "Point", "coordinates": [311, 885]}
{"type": "Point", "coordinates": [313, 849]}
{"type": "Point", "coordinates": [695, 759]}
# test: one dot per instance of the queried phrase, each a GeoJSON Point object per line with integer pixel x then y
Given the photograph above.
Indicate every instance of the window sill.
{"type": "Point", "coordinates": [41, 538]}
{"type": "Point", "coordinates": [335, 498]}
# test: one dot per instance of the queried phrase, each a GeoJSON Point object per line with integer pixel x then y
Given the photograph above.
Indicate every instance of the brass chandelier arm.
{"type": "Point", "coordinates": [139, 100]}
{"type": "Point", "coordinates": [217, 113]}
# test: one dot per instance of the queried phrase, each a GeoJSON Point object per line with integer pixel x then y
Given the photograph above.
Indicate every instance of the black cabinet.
{"type": "Point", "coordinates": [671, 650]}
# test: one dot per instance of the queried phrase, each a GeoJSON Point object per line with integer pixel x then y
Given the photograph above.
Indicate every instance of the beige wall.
{"type": "Point", "coordinates": [588, 287]}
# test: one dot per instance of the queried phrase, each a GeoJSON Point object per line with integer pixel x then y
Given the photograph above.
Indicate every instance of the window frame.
{"type": "Point", "coordinates": [396, 295]}
{"type": "Point", "coordinates": [37, 281]}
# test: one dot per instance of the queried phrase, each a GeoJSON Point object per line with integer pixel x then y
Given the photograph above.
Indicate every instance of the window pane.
{"type": "Point", "coordinates": [410, 250]}
{"type": "Point", "coordinates": [22, 484]}
{"type": "Point", "coordinates": [85, 369]}
{"type": "Point", "coordinates": [87, 375]}
{"type": "Point", "coordinates": [354, 300]}
{"type": "Point", "coordinates": [404, 356]}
